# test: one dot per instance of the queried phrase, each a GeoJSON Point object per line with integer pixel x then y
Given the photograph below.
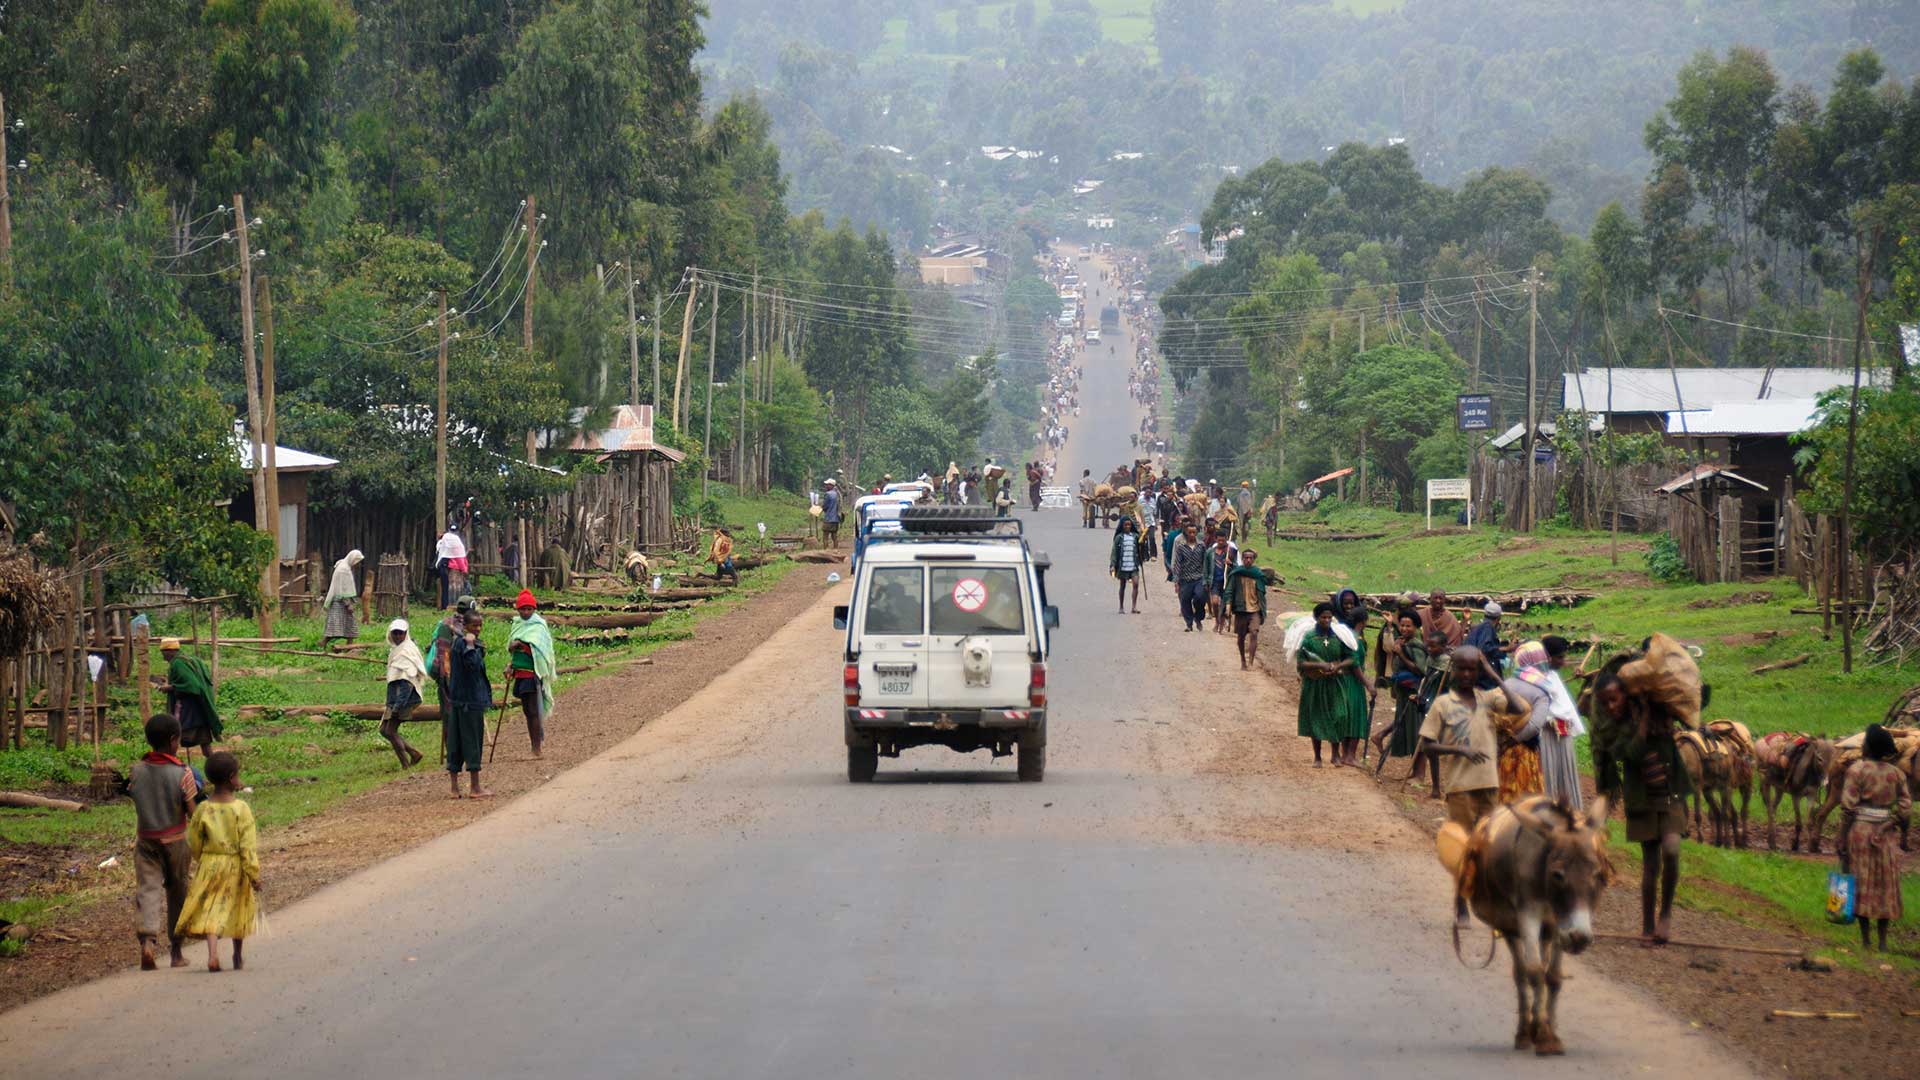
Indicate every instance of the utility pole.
{"type": "Point", "coordinates": [713, 350]}
{"type": "Point", "coordinates": [533, 254]}
{"type": "Point", "coordinates": [656, 351]}
{"type": "Point", "coordinates": [6, 207]}
{"type": "Point", "coordinates": [1613, 465]}
{"type": "Point", "coordinates": [633, 341]}
{"type": "Point", "coordinates": [1705, 528]}
{"type": "Point", "coordinates": [1479, 324]}
{"type": "Point", "coordinates": [526, 342]}
{"type": "Point", "coordinates": [1533, 425]}
{"type": "Point", "coordinates": [1863, 286]}
{"type": "Point", "coordinates": [686, 346]}
{"type": "Point", "coordinates": [778, 327]}
{"type": "Point", "coordinates": [740, 437]}
{"type": "Point", "coordinates": [440, 426]}
{"type": "Point", "coordinates": [1475, 438]}
{"type": "Point", "coordinates": [270, 435]}
{"type": "Point", "coordinates": [257, 453]}
{"type": "Point", "coordinates": [751, 339]}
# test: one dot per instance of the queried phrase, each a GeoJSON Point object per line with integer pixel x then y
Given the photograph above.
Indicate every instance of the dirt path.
{"type": "Point", "coordinates": [95, 940]}
{"type": "Point", "coordinates": [1727, 994]}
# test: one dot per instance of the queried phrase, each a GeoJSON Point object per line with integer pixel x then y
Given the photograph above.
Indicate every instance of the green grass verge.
{"type": "Point", "coordinates": [1738, 627]}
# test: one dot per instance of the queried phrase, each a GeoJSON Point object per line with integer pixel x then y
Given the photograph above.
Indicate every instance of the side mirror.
{"type": "Point", "coordinates": [1050, 617]}
{"type": "Point", "coordinates": [839, 616]}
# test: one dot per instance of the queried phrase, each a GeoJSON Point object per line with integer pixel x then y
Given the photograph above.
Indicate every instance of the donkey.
{"type": "Point", "coordinates": [1845, 753]}
{"type": "Point", "coordinates": [1793, 765]}
{"type": "Point", "coordinates": [1534, 871]}
{"type": "Point", "coordinates": [1719, 761]}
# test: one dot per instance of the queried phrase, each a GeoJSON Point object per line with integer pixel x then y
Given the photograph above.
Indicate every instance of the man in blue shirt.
{"type": "Point", "coordinates": [1485, 636]}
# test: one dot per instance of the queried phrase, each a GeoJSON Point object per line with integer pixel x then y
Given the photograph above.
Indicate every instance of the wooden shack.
{"type": "Point", "coordinates": [630, 504]}
{"type": "Point", "coordinates": [293, 530]}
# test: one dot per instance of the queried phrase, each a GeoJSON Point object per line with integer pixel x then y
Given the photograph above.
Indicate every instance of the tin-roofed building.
{"type": "Point", "coordinates": [1639, 399]}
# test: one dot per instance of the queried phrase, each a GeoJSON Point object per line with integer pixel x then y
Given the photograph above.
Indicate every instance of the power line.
{"type": "Point", "coordinates": [1770, 330]}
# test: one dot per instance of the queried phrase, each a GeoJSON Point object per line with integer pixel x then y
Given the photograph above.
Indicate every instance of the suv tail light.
{"type": "Point", "coordinates": [851, 678]}
{"type": "Point", "coordinates": [1037, 686]}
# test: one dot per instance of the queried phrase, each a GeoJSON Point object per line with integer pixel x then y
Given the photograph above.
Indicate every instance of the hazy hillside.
{"type": "Point", "coordinates": [1563, 87]}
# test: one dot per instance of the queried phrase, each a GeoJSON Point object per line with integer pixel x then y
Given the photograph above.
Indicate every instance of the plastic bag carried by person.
{"type": "Point", "coordinates": [1839, 897]}
{"type": "Point", "coordinates": [1667, 676]}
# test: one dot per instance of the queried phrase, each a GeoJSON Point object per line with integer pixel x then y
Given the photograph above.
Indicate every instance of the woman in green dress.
{"type": "Point", "coordinates": [1358, 688]}
{"type": "Point", "coordinates": [1326, 664]}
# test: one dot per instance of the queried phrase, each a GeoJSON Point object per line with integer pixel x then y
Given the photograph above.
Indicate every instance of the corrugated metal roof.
{"type": "Point", "coordinates": [632, 432]}
{"type": "Point", "coordinates": [1547, 430]}
{"type": "Point", "coordinates": [1701, 473]}
{"type": "Point", "coordinates": [285, 458]}
{"type": "Point", "coordinates": [1774, 416]}
{"type": "Point", "coordinates": [1645, 390]}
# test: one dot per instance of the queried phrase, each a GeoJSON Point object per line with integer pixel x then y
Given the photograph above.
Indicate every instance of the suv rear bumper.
{"type": "Point", "coordinates": [862, 718]}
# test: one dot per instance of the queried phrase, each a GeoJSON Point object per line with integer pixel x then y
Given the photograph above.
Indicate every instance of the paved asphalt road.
{"type": "Point", "coordinates": [711, 898]}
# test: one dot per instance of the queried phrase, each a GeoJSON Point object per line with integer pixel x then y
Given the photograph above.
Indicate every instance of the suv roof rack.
{"type": "Point", "coordinates": [930, 521]}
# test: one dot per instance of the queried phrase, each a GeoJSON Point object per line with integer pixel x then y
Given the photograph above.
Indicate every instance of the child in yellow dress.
{"type": "Point", "coordinates": [221, 900]}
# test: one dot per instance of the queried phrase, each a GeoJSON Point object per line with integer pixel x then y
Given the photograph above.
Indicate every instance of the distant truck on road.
{"type": "Point", "coordinates": [1109, 318]}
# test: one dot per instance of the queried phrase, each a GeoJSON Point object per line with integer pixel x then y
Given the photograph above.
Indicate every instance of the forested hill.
{"type": "Point", "coordinates": [878, 103]}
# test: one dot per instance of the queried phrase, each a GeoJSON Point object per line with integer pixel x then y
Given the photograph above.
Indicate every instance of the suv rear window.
{"type": "Point", "coordinates": [894, 600]}
{"type": "Point", "coordinates": [976, 600]}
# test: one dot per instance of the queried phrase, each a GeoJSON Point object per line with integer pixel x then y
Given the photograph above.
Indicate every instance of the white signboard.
{"type": "Point", "coordinates": [1449, 489]}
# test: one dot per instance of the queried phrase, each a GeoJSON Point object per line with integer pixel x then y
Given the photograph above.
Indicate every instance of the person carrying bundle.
{"type": "Point", "coordinates": [1637, 762]}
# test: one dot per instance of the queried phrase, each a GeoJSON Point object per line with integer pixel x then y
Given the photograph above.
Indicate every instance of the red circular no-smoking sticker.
{"type": "Point", "coordinates": [969, 594]}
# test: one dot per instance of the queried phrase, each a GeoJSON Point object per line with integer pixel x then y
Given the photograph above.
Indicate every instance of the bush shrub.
{"type": "Point", "coordinates": [1664, 562]}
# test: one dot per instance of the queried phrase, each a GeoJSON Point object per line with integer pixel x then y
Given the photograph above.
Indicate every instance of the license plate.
{"type": "Point", "coordinates": [896, 684]}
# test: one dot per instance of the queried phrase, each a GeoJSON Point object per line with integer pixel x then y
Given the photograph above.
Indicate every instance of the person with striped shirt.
{"type": "Point", "coordinates": [1125, 561]}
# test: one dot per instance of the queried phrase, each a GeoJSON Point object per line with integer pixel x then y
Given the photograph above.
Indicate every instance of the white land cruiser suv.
{"type": "Point", "coordinates": [947, 641]}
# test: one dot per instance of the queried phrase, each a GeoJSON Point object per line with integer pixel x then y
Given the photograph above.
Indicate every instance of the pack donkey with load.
{"type": "Point", "coordinates": [1794, 765]}
{"type": "Point", "coordinates": [1534, 871]}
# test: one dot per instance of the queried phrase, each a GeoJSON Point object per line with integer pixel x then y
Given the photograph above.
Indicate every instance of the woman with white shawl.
{"type": "Point", "coordinates": [341, 593]}
{"type": "Point", "coordinates": [1538, 664]}
{"type": "Point", "coordinates": [450, 557]}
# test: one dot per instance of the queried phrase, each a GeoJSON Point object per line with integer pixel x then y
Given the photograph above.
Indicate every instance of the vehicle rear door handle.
{"type": "Point", "coordinates": [910, 644]}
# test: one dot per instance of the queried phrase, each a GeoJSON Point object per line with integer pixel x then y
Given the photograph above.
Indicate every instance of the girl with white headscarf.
{"type": "Point", "coordinates": [406, 675]}
{"type": "Point", "coordinates": [341, 593]}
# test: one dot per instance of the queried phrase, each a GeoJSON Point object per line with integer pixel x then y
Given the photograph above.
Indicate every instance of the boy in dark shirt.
{"type": "Point", "coordinates": [472, 697]}
{"type": "Point", "coordinates": [163, 791]}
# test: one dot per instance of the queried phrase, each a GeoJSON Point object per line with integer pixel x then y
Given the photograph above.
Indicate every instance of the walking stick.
{"type": "Point", "coordinates": [499, 721]}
